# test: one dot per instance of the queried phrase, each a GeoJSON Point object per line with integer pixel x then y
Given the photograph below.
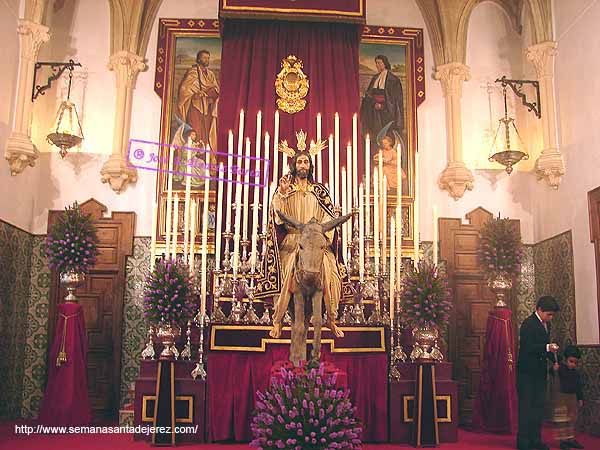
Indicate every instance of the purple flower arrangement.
{"type": "Point", "coordinates": [500, 249]}
{"type": "Point", "coordinates": [72, 244]}
{"type": "Point", "coordinates": [304, 410]}
{"type": "Point", "coordinates": [425, 296]}
{"type": "Point", "coordinates": [168, 295]}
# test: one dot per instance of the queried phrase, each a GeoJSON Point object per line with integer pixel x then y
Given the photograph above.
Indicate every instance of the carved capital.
{"type": "Point", "coordinates": [126, 66]}
{"type": "Point", "coordinates": [550, 167]}
{"type": "Point", "coordinates": [31, 36]}
{"type": "Point", "coordinates": [452, 76]}
{"type": "Point", "coordinates": [542, 57]}
{"type": "Point", "coordinates": [117, 173]}
{"type": "Point", "coordinates": [456, 179]}
{"type": "Point", "coordinates": [20, 153]}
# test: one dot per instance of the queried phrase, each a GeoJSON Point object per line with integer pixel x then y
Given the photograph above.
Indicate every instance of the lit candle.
{"type": "Point", "coordinates": [175, 227]}
{"type": "Point", "coordinates": [246, 189]}
{"type": "Point", "coordinates": [344, 210]}
{"type": "Point", "coordinates": [241, 132]}
{"type": "Point", "coordinates": [275, 151]}
{"type": "Point", "coordinates": [361, 231]}
{"type": "Point", "coordinates": [416, 211]}
{"type": "Point", "coordinates": [319, 157]}
{"type": "Point", "coordinates": [392, 266]}
{"type": "Point", "coordinates": [194, 218]}
{"type": "Point", "coordinates": [376, 219]}
{"type": "Point", "coordinates": [398, 243]}
{"type": "Point", "coordinates": [169, 219]}
{"type": "Point", "coordinates": [368, 184]}
{"type": "Point", "coordinates": [153, 236]}
{"type": "Point", "coordinates": [435, 235]}
{"type": "Point", "coordinates": [218, 214]}
{"type": "Point", "coordinates": [265, 189]}
{"type": "Point", "coordinates": [204, 243]}
{"type": "Point", "coordinates": [384, 225]}
{"type": "Point", "coordinates": [336, 143]}
{"type": "Point", "coordinates": [186, 208]}
{"type": "Point", "coordinates": [255, 206]}
{"type": "Point", "coordinates": [354, 159]}
{"type": "Point", "coordinates": [349, 173]}
{"type": "Point", "coordinates": [229, 181]}
{"type": "Point", "coordinates": [330, 167]}
{"type": "Point", "coordinates": [238, 214]}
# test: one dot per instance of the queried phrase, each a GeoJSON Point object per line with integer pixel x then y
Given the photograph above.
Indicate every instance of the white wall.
{"type": "Point", "coordinates": [578, 92]}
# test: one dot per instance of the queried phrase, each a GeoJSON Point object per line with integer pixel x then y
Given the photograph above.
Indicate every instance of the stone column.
{"type": "Point", "coordinates": [550, 165]}
{"type": "Point", "coordinates": [20, 150]}
{"type": "Point", "coordinates": [115, 172]}
{"type": "Point", "coordinates": [456, 177]}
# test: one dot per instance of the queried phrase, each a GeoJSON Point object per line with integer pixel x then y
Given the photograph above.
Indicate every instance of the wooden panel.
{"type": "Point", "coordinates": [102, 300]}
{"type": "Point", "coordinates": [594, 213]}
{"type": "Point", "coordinates": [473, 300]}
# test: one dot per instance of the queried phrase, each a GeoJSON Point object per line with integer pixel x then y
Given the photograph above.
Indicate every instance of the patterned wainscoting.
{"type": "Point", "coordinates": [525, 288]}
{"type": "Point", "coordinates": [15, 273]}
{"type": "Point", "coordinates": [554, 275]}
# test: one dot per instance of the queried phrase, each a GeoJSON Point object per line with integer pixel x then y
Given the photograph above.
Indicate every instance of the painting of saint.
{"type": "Point", "coordinates": [384, 87]}
{"type": "Point", "coordinates": [198, 99]}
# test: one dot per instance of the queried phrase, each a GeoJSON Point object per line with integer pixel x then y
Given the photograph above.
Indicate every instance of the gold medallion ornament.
{"type": "Point", "coordinates": [291, 86]}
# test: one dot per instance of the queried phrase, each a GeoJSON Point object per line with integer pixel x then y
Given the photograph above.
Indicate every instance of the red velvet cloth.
{"type": "Point", "coordinates": [251, 59]}
{"type": "Point", "coordinates": [234, 377]}
{"type": "Point", "coordinates": [495, 409]}
{"type": "Point", "coordinates": [66, 399]}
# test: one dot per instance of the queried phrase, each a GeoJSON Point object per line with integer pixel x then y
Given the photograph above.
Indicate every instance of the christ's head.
{"type": "Point", "coordinates": [203, 58]}
{"type": "Point", "coordinates": [302, 166]}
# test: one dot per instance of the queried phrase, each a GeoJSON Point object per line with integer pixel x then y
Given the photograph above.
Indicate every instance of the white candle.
{"type": "Point", "coordinates": [336, 143]}
{"type": "Point", "coordinates": [435, 235]}
{"type": "Point", "coordinates": [399, 175]}
{"type": "Point", "coordinates": [194, 218]}
{"type": "Point", "coordinates": [229, 181]}
{"type": "Point", "coordinates": [186, 208]}
{"type": "Point", "coordinates": [265, 189]}
{"type": "Point", "coordinates": [416, 211]}
{"type": "Point", "coordinates": [204, 244]}
{"type": "Point", "coordinates": [241, 132]}
{"type": "Point", "coordinates": [153, 236]}
{"type": "Point", "coordinates": [218, 214]}
{"type": "Point", "coordinates": [238, 214]}
{"type": "Point", "coordinates": [255, 206]}
{"type": "Point", "coordinates": [392, 266]}
{"type": "Point", "coordinates": [330, 167]}
{"type": "Point", "coordinates": [246, 189]}
{"type": "Point", "coordinates": [361, 231]}
{"type": "Point", "coordinates": [368, 184]}
{"type": "Point", "coordinates": [344, 209]}
{"type": "Point", "coordinates": [354, 158]}
{"type": "Point", "coordinates": [175, 226]}
{"type": "Point", "coordinates": [376, 219]}
{"type": "Point", "coordinates": [272, 191]}
{"type": "Point", "coordinates": [169, 219]}
{"type": "Point", "coordinates": [349, 173]}
{"type": "Point", "coordinates": [275, 151]}
{"type": "Point", "coordinates": [398, 243]}
{"type": "Point", "coordinates": [380, 168]}
{"type": "Point", "coordinates": [319, 157]}
{"type": "Point", "coordinates": [384, 225]}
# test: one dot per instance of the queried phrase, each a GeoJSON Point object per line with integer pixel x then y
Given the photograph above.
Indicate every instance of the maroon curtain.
{"type": "Point", "coordinates": [495, 408]}
{"type": "Point", "coordinates": [66, 399]}
{"type": "Point", "coordinates": [251, 59]}
{"type": "Point", "coordinates": [234, 377]}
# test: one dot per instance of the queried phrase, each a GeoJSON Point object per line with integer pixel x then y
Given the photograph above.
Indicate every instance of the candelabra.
{"type": "Point", "coordinates": [218, 316]}
{"type": "Point", "coordinates": [186, 353]}
{"type": "Point", "coordinates": [227, 263]}
{"type": "Point", "coordinates": [354, 260]}
{"type": "Point", "coordinates": [251, 316]}
{"type": "Point", "coordinates": [376, 317]}
{"type": "Point", "coordinates": [148, 352]}
{"type": "Point", "coordinates": [244, 266]}
{"type": "Point", "coordinates": [240, 287]}
{"type": "Point", "coordinates": [200, 320]}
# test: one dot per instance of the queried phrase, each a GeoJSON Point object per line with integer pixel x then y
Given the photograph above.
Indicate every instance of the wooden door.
{"type": "Point", "coordinates": [101, 297]}
{"type": "Point", "coordinates": [459, 243]}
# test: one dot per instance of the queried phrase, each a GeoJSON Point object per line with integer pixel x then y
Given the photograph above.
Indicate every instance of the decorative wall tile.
{"type": "Point", "coordinates": [525, 288]}
{"type": "Point", "coordinates": [15, 268]}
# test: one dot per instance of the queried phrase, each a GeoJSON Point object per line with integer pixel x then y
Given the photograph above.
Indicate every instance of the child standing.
{"type": "Point", "coordinates": [570, 396]}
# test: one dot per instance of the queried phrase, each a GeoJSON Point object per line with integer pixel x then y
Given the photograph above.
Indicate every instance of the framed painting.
{"type": "Point", "coordinates": [392, 86]}
{"type": "Point", "coordinates": [187, 79]}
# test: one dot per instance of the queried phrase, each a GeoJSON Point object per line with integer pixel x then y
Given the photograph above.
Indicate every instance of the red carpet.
{"type": "Point", "coordinates": [12, 441]}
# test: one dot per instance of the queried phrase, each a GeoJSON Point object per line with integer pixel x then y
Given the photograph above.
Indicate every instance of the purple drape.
{"type": "Point", "coordinates": [495, 408]}
{"type": "Point", "coordinates": [234, 377]}
{"type": "Point", "coordinates": [251, 59]}
{"type": "Point", "coordinates": [66, 399]}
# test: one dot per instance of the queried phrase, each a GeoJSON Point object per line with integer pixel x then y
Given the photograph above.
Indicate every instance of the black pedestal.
{"type": "Point", "coordinates": [424, 432]}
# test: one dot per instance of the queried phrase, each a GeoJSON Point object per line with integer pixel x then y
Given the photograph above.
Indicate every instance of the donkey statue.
{"type": "Point", "coordinates": [307, 291]}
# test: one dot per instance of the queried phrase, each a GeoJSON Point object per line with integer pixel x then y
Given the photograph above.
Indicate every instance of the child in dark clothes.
{"type": "Point", "coordinates": [571, 395]}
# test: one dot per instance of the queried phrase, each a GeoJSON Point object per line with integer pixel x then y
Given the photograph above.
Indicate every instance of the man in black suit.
{"type": "Point", "coordinates": [534, 350]}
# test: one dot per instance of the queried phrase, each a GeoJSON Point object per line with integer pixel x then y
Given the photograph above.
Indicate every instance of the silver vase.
{"type": "Point", "coordinates": [425, 343]}
{"type": "Point", "coordinates": [71, 280]}
{"type": "Point", "coordinates": [167, 334]}
{"type": "Point", "coordinates": [500, 284]}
